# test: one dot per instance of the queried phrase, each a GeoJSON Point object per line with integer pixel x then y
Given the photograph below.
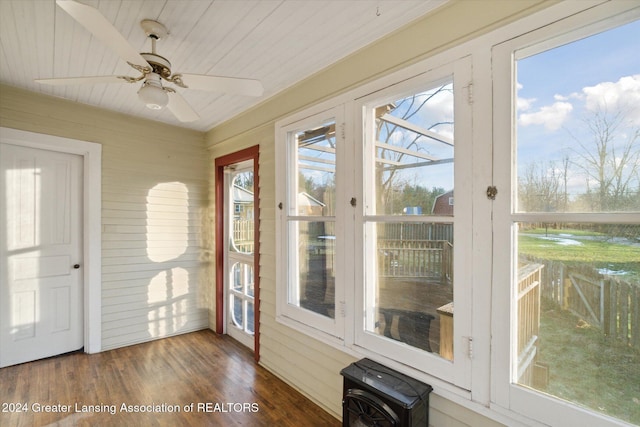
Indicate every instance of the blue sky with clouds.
{"type": "Point", "coordinates": [559, 88]}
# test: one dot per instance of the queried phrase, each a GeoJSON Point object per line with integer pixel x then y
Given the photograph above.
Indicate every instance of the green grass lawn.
{"type": "Point", "coordinates": [588, 369]}
{"type": "Point", "coordinates": [585, 367]}
{"type": "Point", "coordinates": [548, 244]}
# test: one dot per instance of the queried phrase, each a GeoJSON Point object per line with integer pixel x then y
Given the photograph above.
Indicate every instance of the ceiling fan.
{"type": "Point", "coordinates": [153, 68]}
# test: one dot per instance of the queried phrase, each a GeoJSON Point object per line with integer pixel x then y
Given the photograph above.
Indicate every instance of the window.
{"type": "Point", "coordinates": [520, 304]}
{"type": "Point", "coordinates": [573, 223]}
{"type": "Point", "coordinates": [415, 137]}
{"type": "Point", "coordinates": [311, 245]}
{"type": "Point", "coordinates": [387, 189]}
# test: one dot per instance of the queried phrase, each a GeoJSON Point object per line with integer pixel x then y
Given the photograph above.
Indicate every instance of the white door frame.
{"type": "Point", "coordinates": [92, 205]}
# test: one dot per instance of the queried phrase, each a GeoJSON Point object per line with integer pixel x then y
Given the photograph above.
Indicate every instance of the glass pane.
{"type": "Point", "coordinates": [411, 297]}
{"type": "Point", "coordinates": [316, 154]}
{"type": "Point", "coordinates": [242, 219]}
{"type": "Point", "coordinates": [250, 321]}
{"type": "Point", "coordinates": [249, 287]}
{"type": "Point", "coordinates": [237, 278]}
{"type": "Point", "coordinates": [578, 300]}
{"type": "Point", "coordinates": [242, 278]}
{"type": "Point", "coordinates": [414, 154]}
{"type": "Point", "coordinates": [315, 287]}
{"type": "Point", "coordinates": [578, 142]}
{"type": "Point", "coordinates": [236, 311]}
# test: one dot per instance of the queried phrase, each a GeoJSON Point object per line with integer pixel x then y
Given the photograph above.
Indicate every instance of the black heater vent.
{"type": "Point", "coordinates": [377, 396]}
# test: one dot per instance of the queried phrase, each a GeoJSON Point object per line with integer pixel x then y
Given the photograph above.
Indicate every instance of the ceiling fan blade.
{"type": "Point", "coordinates": [229, 85]}
{"type": "Point", "coordinates": [181, 109]}
{"type": "Point", "coordinates": [81, 80]}
{"type": "Point", "coordinates": [103, 30]}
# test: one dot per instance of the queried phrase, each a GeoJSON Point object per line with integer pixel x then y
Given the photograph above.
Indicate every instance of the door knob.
{"type": "Point", "coordinates": [76, 266]}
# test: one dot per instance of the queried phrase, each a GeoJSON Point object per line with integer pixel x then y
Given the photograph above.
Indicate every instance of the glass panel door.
{"type": "Point", "coordinates": [239, 235]}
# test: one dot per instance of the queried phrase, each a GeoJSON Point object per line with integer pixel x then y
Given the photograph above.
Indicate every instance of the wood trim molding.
{"type": "Point", "coordinates": [251, 153]}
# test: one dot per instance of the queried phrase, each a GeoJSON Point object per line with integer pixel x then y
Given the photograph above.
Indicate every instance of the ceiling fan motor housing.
{"type": "Point", "coordinates": [159, 64]}
{"type": "Point", "coordinates": [156, 31]}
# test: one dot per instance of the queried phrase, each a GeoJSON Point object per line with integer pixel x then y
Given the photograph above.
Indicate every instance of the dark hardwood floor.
{"type": "Point", "coordinates": [196, 379]}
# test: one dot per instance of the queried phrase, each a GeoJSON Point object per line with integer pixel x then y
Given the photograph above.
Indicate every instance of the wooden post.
{"type": "Point", "coordinates": [446, 331]}
{"type": "Point", "coordinates": [565, 292]}
{"type": "Point", "coordinates": [606, 308]}
{"type": "Point", "coordinates": [602, 304]}
{"type": "Point", "coordinates": [613, 309]}
{"type": "Point", "coordinates": [635, 319]}
{"type": "Point", "coordinates": [624, 312]}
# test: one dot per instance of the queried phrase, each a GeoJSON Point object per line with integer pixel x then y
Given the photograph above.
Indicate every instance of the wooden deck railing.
{"type": "Point", "coordinates": [529, 280]}
{"type": "Point", "coordinates": [415, 258]}
{"type": "Point", "coordinates": [243, 232]}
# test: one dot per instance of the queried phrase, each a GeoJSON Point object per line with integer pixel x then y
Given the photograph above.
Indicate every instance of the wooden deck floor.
{"type": "Point", "coordinates": [194, 379]}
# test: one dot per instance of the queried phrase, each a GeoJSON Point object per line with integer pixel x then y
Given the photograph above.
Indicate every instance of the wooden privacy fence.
{"type": "Point", "coordinates": [607, 302]}
{"type": "Point", "coordinates": [415, 258]}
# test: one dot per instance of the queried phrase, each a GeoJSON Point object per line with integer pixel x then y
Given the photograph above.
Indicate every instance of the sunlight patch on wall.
{"type": "Point", "coordinates": [167, 221]}
{"type": "Point", "coordinates": [168, 285]}
{"type": "Point", "coordinates": [167, 300]}
{"type": "Point", "coordinates": [22, 194]}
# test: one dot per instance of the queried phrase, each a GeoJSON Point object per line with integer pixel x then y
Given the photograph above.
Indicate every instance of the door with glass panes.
{"type": "Point", "coordinates": [239, 252]}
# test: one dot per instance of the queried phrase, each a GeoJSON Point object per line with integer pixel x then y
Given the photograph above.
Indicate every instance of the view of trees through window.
{"type": "Point", "coordinates": [411, 161]}
{"type": "Point", "coordinates": [315, 153]}
{"type": "Point", "coordinates": [578, 283]}
{"type": "Point", "coordinates": [414, 151]}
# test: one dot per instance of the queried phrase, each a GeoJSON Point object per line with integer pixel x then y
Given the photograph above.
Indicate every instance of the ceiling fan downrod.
{"type": "Point", "coordinates": [159, 64]}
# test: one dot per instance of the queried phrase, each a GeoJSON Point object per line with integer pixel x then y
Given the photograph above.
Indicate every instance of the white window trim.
{"type": "Point", "coordinates": [490, 389]}
{"type": "Point", "coordinates": [456, 381]}
{"type": "Point", "coordinates": [508, 397]}
{"type": "Point", "coordinates": [332, 329]}
{"type": "Point", "coordinates": [458, 371]}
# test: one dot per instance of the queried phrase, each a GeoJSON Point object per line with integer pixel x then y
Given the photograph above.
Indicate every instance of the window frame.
{"type": "Point", "coordinates": [330, 329]}
{"type": "Point", "coordinates": [458, 370]}
{"type": "Point", "coordinates": [509, 397]}
{"type": "Point", "coordinates": [347, 110]}
{"type": "Point", "coordinates": [490, 393]}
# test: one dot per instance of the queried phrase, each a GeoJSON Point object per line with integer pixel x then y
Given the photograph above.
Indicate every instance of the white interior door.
{"type": "Point", "coordinates": [239, 253]}
{"type": "Point", "coordinates": [41, 288]}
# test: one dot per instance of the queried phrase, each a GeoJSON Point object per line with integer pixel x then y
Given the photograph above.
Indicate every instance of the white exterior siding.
{"type": "Point", "coordinates": [154, 196]}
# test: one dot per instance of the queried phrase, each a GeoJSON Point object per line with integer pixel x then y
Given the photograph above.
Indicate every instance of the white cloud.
{"type": "Point", "coordinates": [551, 116]}
{"type": "Point", "coordinates": [524, 104]}
{"type": "Point", "coordinates": [623, 95]}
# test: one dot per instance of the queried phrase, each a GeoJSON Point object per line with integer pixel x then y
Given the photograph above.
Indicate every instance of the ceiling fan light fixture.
{"type": "Point", "coordinates": [152, 93]}
{"type": "Point", "coordinates": [152, 67]}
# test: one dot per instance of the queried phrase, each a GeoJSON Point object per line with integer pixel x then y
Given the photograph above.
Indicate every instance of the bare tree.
{"type": "Point", "coordinates": [610, 159]}
{"type": "Point", "coordinates": [542, 187]}
{"type": "Point", "coordinates": [387, 178]}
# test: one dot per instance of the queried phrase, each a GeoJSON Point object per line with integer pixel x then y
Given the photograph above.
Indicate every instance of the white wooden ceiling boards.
{"type": "Point", "coordinates": [279, 42]}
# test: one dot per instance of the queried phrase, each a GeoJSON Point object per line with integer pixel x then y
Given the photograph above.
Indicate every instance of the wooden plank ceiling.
{"type": "Point", "coordinates": [279, 42]}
